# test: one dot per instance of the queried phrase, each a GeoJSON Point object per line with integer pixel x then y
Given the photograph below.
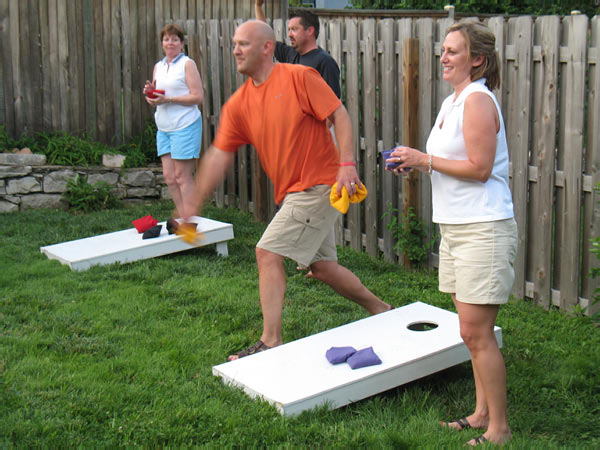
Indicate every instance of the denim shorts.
{"type": "Point", "coordinates": [181, 144]}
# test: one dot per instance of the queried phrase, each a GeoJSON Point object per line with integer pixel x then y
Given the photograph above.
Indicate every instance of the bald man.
{"type": "Point", "coordinates": [281, 111]}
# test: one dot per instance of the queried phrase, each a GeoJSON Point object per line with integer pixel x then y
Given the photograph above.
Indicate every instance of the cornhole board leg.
{"type": "Point", "coordinates": [295, 377]}
{"type": "Point", "coordinates": [222, 249]}
{"type": "Point", "coordinates": [128, 246]}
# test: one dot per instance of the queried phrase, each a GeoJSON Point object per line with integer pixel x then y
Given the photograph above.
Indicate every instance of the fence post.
{"type": "Point", "coordinates": [410, 126]}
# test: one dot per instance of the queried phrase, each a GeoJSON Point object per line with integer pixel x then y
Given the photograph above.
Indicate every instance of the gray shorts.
{"type": "Point", "coordinates": [476, 261]}
{"type": "Point", "coordinates": [302, 229]}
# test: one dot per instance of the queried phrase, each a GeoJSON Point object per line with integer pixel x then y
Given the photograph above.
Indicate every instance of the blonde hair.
{"type": "Point", "coordinates": [480, 41]}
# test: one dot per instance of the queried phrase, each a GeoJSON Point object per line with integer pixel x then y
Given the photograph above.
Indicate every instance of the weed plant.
{"type": "Point", "coordinates": [410, 236]}
{"type": "Point", "coordinates": [122, 355]}
{"type": "Point", "coordinates": [81, 196]}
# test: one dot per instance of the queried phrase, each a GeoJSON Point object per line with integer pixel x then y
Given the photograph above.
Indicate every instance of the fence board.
{"type": "Point", "coordinates": [334, 28]}
{"type": "Point", "coordinates": [202, 63]}
{"type": "Point", "coordinates": [573, 142]}
{"type": "Point", "coordinates": [7, 68]}
{"type": "Point", "coordinates": [146, 64]}
{"type": "Point", "coordinates": [63, 66]}
{"type": "Point", "coordinates": [228, 86]}
{"type": "Point", "coordinates": [127, 68]}
{"type": "Point", "coordinates": [591, 208]}
{"type": "Point", "coordinates": [496, 25]}
{"type": "Point", "coordinates": [352, 51]}
{"type": "Point", "coordinates": [15, 53]}
{"type": "Point", "coordinates": [55, 92]}
{"type": "Point", "coordinates": [388, 120]}
{"type": "Point", "coordinates": [26, 70]}
{"type": "Point", "coordinates": [541, 190]}
{"type": "Point", "coordinates": [369, 176]}
{"type": "Point", "coordinates": [517, 129]}
{"type": "Point", "coordinates": [89, 62]}
{"type": "Point", "coordinates": [136, 61]}
{"type": "Point", "coordinates": [97, 60]}
{"type": "Point", "coordinates": [34, 61]}
{"type": "Point", "coordinates": [45, 67]}
{"type": "Point", "coordinates": [116, 76]}
{"type": "Point", "coordinates": [428, 71]}
{"type": "Point", "coordinates": [76, 61]}
{"type": "Point", "coordinates": [215, 63]}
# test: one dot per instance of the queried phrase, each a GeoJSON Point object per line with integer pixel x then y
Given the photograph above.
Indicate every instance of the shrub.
{"type": "Point", "coordinates": [83, 197]}
{"type": "Point", "coordinates": [141, 150]}
{"type": "Point", "coordinates": [410, 236]}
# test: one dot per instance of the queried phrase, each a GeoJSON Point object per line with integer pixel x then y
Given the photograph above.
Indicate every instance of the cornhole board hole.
{"type": "Point", "coordinates": [128, 246]}
{"type": "Point", "coordinates": [295, 377]}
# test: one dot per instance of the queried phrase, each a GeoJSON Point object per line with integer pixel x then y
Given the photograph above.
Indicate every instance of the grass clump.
{"type": "Point", "coordinates": [122, 355]}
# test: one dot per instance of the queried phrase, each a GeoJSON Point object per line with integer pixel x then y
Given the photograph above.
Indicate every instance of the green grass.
{"type": "Point", "coordinates": [121, 355]}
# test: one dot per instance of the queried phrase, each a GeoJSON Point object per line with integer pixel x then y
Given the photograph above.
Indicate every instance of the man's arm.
{"type": "Point", "coordinates": [258, 10]}
{"type": "Point", "coordinates": [347, 174]}
{"type": "Point", "coordinates": [213, 166]}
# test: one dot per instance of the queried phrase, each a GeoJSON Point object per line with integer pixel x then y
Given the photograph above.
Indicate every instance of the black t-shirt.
{"type": "Point", "coordinates": [318, 59]}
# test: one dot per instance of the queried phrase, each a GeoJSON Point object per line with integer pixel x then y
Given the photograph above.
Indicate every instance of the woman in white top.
{"type": "Point", "coordinates": [467, 158]}
{"type": "Point", "coordinates": [177, 115]}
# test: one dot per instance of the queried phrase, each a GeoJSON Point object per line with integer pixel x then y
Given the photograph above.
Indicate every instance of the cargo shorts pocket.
{"type": "Point", "coordinates": [302, 228]}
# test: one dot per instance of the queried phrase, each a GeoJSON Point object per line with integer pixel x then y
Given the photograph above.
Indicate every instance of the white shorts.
{"type": "Point", "coordinates": [476, 261]}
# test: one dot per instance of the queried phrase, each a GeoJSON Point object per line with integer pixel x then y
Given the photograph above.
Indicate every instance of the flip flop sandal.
{"type": "Point", "coordinates": [172, 226]}
{"type": "Point", "coordinates": [260, 346]}
{"type": "Point", "coordinates": [478, 440]}
{"type": "Point", "coordinates": [463, 424]}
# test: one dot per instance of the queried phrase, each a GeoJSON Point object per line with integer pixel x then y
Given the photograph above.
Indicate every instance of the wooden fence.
{"type": "Point", "coordinates": [80, 65]}
{"type": "Point", "coordinates": [550, 97]}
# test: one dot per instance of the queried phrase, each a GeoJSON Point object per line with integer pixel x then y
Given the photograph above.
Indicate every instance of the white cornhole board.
{"type": "Point", "coordinates": [295, 377]}
{"type": "Point", "coordinates": [128, 246]}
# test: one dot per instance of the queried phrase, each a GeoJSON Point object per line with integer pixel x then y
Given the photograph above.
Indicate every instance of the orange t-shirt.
{"type": "Point", "coordinates": [284, 119]}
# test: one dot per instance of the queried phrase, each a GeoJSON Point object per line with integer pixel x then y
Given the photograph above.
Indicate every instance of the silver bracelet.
{"type": "Point", "coordinates": [430, 164]}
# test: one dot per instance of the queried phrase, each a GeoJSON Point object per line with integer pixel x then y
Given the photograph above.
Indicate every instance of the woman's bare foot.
{"type": "Point", "coordinates": [493, 438]}
{"type": "Point", "coordinates": [465, 423]}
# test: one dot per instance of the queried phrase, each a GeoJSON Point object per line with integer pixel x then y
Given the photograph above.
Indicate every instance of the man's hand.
{"type": "Point", "coordinates": [347, 176]}
{"type": "Point", "coordinates": [258, 10]}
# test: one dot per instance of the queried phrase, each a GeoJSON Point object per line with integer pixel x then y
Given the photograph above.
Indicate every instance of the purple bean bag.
{"type": "Point", "coordinates": [363, 358]}
{"type": "Point", "coordinates": [337, 355]}
{"type": "Point", "coordinates": [387, 154]}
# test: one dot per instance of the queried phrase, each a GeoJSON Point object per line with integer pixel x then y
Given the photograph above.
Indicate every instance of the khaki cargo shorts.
{"type": "Point", "coordinates": [302, 229]}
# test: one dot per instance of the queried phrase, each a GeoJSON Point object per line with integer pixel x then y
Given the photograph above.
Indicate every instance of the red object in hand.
{"type": "Point", "coordinates": [144, 223]}
{"type": "Point", "coordinates": [151, 92]}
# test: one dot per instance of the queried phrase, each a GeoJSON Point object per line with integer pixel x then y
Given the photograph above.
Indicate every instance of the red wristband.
{"type": "Point", "coordinates": [348, 164]}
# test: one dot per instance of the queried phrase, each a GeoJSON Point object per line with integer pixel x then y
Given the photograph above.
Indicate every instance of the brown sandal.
{"type": "Point", "coordinates": [260, 346]}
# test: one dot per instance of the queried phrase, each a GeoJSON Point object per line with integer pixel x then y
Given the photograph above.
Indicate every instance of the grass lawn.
{"type": "Point", "coordinates": [121, 355]}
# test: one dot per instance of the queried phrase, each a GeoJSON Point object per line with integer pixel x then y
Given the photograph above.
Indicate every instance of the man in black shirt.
{"type": "Point", "coordinates": [303, 31]}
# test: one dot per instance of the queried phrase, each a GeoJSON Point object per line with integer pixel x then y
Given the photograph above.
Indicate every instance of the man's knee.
{"type": "Point", "coordinates": [323, 270]}
{"type": "Point", "coordinates": [265, 257]}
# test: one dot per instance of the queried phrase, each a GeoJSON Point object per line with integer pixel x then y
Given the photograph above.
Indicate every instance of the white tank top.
{"type": "Point", "coordinates": [456, 200]}
{"type": "Point", "coordinates": [171, 78]}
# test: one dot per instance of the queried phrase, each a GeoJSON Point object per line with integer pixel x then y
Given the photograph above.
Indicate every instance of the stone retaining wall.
{"type": "Point", "coordinates": [26, 182]}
